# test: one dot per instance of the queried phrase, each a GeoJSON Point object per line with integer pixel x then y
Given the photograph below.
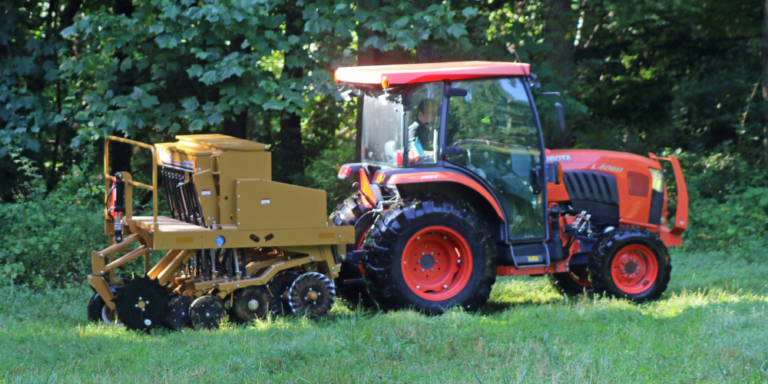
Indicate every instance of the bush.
{"type": "Point", "coordinates": [728, 201]}
{"type": "Point", "coordinates": [47, 237]}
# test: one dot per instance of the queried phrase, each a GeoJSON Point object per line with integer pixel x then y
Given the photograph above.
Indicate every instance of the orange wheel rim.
{"type": "Point", "coordinates": [634, 269]}
{"type": "Point", "coordinates": [436, 263]}
{"type": "Point", "coordinates": [362, 239]}
{"type": "Point", "coordinates": [580, 277]}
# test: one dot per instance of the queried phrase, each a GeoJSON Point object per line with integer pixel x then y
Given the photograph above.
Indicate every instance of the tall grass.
{"type": "Point", "coordinates": [710, 327]}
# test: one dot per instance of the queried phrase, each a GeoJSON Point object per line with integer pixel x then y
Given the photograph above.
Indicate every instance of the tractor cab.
{"type": "Point", "coordinates": [473, 120]}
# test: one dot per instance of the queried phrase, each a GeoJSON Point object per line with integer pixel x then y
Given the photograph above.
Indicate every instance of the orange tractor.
{"type": "Point", "coordinates": [455, 188]}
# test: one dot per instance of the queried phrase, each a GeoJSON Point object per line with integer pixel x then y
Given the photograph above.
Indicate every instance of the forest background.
{"type": "Point", "coordinates": [682, 77]}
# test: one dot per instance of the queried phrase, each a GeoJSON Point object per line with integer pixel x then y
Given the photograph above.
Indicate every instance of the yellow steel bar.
{"type": "Point", "coordinates": [135, 183]}
{"type": "Point", "coordinates": [154, 169]}
{"type": "Point", "coordinates": [102, 288]}
{"type": "Point", "coordinates": [134, 254]}
{"type": "Point", "coordinates": [117, 247]}
{"type": "Point", "coordinates": [112, 272]}
{"type": "Point", "coordinates": [264, 277]}
{"type": "Point", "coordinates": [171, 268]}
{"type": "Point", "coordinates": [155, 271]}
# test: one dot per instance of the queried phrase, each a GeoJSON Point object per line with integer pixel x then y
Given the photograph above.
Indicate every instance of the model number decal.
{"type": "Point", "coordinates": [608, 168]}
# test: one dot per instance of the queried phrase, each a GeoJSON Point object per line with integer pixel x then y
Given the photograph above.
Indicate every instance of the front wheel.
{"type": "Point", "coordinates": [572, 283]}
{"type": "Point", "coordinates": [630, 263]}
{"type": "Point", "coordinates": [430, 254]}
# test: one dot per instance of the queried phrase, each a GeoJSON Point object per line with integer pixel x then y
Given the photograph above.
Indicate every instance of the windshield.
{"type": "Point", "coordinates": [382, 130]}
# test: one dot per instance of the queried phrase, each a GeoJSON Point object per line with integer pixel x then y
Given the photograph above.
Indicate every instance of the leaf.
{"type": "Point", "coordinates": [208, 77]}
{"type": "Point", "coordinates": [156, 28]}
{"type": "Point", "coordinates": [457, 30]}
{"type": "Point", "coordinates": [196, 125]}
{"type": "Point", "coordinates": [126, 64]}
{"type": "Point", "coordinates": [190, 104]}
{"type": "Point", "coordinates": [764, 201]}
{"type": "Point", "coordinates": [293, 39]}
{"type": "Point", "coordinates": [149, 101]}
{"type": "Point", "coordinates": [402, 22]}
{"type": "Point", "coordinates": [69, 31]}
{"type": "Point", "coordinates": [137, 93]}
{"type": "Point", "coordinates": [274, 104]}
{"type": "Point", "coordinates": [195, 70]}
{"type": "Point", "coordinates": [469, 11]}
{"type": "Point", "coordinates": [377, 26]}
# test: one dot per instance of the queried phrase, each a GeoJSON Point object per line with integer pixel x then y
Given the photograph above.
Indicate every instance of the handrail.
{"type": "Point", "coordinates": [152, 187]}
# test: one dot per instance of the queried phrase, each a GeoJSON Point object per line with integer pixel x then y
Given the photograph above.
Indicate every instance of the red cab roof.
{"type": "Point", "coordinates": [422, 73]}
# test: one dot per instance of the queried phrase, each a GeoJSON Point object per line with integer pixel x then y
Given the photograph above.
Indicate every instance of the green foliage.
{"type": "Point", "coordinates": [47, 238]}
{"type": "Point", "coordinates": [728, 201]}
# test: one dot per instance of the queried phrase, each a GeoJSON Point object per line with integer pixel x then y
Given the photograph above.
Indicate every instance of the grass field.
{"type": "Point", "coordinates": [711, 326]}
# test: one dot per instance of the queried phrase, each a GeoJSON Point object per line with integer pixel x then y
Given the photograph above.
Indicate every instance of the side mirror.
{"type": "Point", "coordinates": [347, 95]}
{"type": "Point", "coordinates": [456, 92]}
{"type": "Point", "coordinates": [452, 151]}
{"type": "Point", "coordinates": [560, 116]}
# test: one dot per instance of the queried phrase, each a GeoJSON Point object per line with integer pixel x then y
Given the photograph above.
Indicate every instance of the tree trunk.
{"type": "Point", "coordinates": [289, 154]}
{"type": "Point", "coordinates": [559, 32]}
{"type": "Point", "coordinates": [237, 126]}
{"type": "Point", "coordinates": [764, 63]}
{"type": "Point", "coordinates": [121, 153]}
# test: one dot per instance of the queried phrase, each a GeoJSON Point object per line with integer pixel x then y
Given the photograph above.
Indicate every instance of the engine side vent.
{"type": "Point", "coordinates": [592, 186]}
{"type": "Point", "coordinates": [594, 192]}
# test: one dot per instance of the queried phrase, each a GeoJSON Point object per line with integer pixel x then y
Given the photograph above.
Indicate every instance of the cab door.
{"type": "Point", "coordinates": [496, 130]}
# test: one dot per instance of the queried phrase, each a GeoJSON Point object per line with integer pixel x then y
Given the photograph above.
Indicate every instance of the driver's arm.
{"type": "Point", "coordinates": [417, 150]}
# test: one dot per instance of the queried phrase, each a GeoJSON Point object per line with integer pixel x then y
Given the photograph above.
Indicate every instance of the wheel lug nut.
{"type": "Point", "coordinates": [418, 287]}
{"type": "Point", "coordinates": [422, 269]}
{"type": "Point", "coordinates": [431, 269]}
{"type": "Point", "coordinates": [458, 261]}
{"type": "Point", "coordinates": [445, 287]}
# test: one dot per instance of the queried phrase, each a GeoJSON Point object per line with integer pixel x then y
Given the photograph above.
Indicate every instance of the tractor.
{"type": "Point", "coordinates": [237, 244]}
{"type": "Point", "coordinates": [455, 188]}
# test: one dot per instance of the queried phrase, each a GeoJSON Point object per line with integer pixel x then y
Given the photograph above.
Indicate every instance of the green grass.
{"type": "Point", "coordinates": [711, 326]}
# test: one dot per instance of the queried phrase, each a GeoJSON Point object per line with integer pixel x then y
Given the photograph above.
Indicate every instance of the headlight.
{"type": "Point", "coordinates": [657, 180]}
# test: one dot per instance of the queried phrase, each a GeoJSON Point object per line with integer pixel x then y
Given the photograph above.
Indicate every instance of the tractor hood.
{"type": "Point", "coordinates": [598, 159]}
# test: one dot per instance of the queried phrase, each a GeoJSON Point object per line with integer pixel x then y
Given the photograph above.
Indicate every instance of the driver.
{"type": "Point", "coordinates": [418, 133]}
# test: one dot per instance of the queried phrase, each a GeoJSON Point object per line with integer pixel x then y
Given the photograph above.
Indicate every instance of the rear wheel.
{"type": "Point", "coordinates": [572, 283]}
{"type": "Point", "coordinates": [630, 263]}
{"type": "Point", "coordinates": [430, 254]}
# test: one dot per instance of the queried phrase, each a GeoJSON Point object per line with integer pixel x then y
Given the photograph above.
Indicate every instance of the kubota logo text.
{"type": "Point", "coordinates": [552, 159]}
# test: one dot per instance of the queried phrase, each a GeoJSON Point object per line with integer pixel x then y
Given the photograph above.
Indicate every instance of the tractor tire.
{"type": "Point", "coordinates": [400, 257]}
{"type": "Point", "coordinates": [630, 263]}
{"type": "Point", "coordinates": [352, 212]}
{"type": "Point", "coordinates": [98, 311]}
{"type": "Point", "coordinates": [572, 283]}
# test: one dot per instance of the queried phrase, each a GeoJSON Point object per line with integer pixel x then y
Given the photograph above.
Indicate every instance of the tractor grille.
{"type": "Point", "coordinates": [594, 192]}
{"type": "Point", "coordinates": [593, 186]}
